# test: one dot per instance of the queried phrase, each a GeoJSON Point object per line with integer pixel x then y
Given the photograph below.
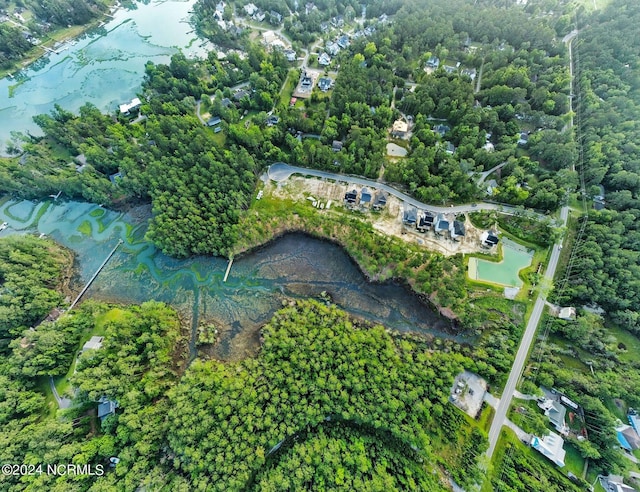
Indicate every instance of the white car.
{"type": "Point", "coordinates": [4, 226]}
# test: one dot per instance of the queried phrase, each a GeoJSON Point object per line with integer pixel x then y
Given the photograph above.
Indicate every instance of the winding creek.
{"type": "Point", "coordinates": [105, 67]}
{"type": "Point", "coordinates": [294, 266]}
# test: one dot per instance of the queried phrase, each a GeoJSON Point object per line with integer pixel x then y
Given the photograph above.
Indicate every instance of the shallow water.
{"type": "Point", "coordinates": [294, 266]}
{"type": "Point", "coordinates": [104, 67]}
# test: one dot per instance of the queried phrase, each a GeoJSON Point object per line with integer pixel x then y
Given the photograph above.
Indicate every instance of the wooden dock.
{"type": "Point", "coordinates": [226, 274]}
{"type": "Point", "coordinates": [95, 275]}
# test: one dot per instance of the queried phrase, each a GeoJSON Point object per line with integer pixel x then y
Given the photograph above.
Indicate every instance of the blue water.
{"type": "Point", "coordinates": [104, 68]}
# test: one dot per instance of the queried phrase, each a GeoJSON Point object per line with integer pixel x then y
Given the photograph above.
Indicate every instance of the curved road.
{"type": "Point", "coordinates": [281, 172]}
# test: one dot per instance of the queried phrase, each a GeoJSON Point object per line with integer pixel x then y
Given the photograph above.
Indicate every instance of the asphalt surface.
{"type": "Point", "coordinates": [281, 172]}
{"type": "Point", "coordinates": [530, 331]}
{"type": "Point", "coordinates": [523, 349]}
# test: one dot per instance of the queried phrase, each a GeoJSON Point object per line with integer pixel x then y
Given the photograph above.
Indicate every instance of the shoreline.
{"type": "Point", "coordinates": [46, 47]}
{"type": "Point", "coordinates": [445, 313]}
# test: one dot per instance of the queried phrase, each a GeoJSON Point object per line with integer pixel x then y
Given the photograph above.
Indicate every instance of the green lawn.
{"type": "Point", "coordinates": [45, 389]}
{"type": "Point", "coordinates": [574, 463]}
{"type": "Point", "coordinates": [101, 319]}
{"type": "Point", "coordinates": [289, 86]}
{"type": "Point", "coordinates": [629, 340]}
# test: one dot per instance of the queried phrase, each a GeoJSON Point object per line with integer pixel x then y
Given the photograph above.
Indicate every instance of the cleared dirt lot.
{"type": "Point", "coordinates": [387, 221]}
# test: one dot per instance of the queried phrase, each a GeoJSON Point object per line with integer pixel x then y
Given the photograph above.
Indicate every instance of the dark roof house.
{"type": "Point", "coordinates": [324, 83]}
{"type": "Point", "coordinates": [441, 129]}
{"type": "Point", "coordinates": [489, 238]}
{"type": "Point", "coordinates": [410, 216]}
{"type": "Point", "coordinates": [426, 221]}
{"type": "Point", "coordinates": [380, 200]}
{"type": "Point", "coordinates": [433, 62]}
{"type": "Point", "coordinates": [343, 41]}
{"type": "Point", "coordinates": [351, 196]}
{"type": "Point", "coordinates": [457, 229]}
{"type": "Point", "coordinates": [442, 225]}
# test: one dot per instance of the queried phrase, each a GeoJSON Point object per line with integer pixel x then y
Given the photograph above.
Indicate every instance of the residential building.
{"type": "Point", "coordinates": [272, 120]}
{"type": "Point", "coordinates": [615, 483]}
{"type": "Point", "coordinates": [306, 82]}
{"type": "Point", "coordinates": [491, 186]}
{"type": "Point", "coordinates": [551, 447]}
{"type": "Point", "coordinates": [126, 108]}
{"type": "Point", "coordinates": [365, 197]}
{"type": "Point", "coordinates": [451, 68]}
{"type": "Point", "coordinates": [324, 59]}
{"type": "Point", "coordinates": [336, 146]}
{"type": "Point", "coordinates": [350, 197]}
{"type": "Point", "coordinates": [343, 41]}
{"type": "Point", "coordinates": [337, 21]}
{"type": "Point", "coordinates": [291, 55]}
{"type": "Point", "coordinates": [380, 200]}
{"type": "Point", "coordinates": [470, 72]}
{"type": "Point", "coordinates": [457, 230]}
{"type": "Point", "coordinates": [567, 313]}
{"type": "Point", "coordinates": [524, 138]}
{"type": "Point", "coordinates": [214, 121]}
{"type": "Point", "coordinates": [441, 129]}
{"type": "Point", "coordinates": [324, 83]}
{"type": "Point", "coordinates": [555, 412]}
{"type": "Point", "coordinates": [106, 407]}
{"type": "Point", "coordinates": [94, 343]}
{"type": "Point", "coordinates": [332, 48]}
{"type": "Point", "coordinates": [275, 17]}
{"type": "Point", "coordinates": [441, 224]}
{"type": "Point", "coordinates": [250, 9]}
{"type": "Point", "coordinates": [400, 128]}
{"type": "Point", "coordinates": [433, 62]}
{"type": "Point", "coordinates": [410, 216]}
{"type": "Point", "coordinates": [425, 222]}
{"type": "Point", "coordinates": [489, 239]}
{"type": "Point", "coordinates": [628, 437]}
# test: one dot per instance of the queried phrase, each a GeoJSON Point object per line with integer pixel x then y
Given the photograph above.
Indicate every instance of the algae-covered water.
{"type": "Point", "coordinates": [104, 67]}
{"type": "Point", "coordinates": [295, 266]}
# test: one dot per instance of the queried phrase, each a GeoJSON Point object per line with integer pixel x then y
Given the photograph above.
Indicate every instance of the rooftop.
{"type": "Point", "coordinates": [551, 447]}
{"type": "Point", "coordinates": [94, 343]}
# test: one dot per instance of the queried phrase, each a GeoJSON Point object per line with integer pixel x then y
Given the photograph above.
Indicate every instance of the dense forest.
{"type": "Point", "coordinates": [31, 21]}
{"type": "Point", "coordinates": [321, 382]}
{"type": "Point", "coordinates": [606, 270]}
{"type": "Point", "coordinates": [593, 358]}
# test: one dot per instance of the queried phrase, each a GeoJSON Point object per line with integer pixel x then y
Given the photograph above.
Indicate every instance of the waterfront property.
{"type": "Point", "coordinates": [505, 272]}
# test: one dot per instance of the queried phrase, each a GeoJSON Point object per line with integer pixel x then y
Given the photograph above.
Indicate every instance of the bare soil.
{"type": "Point", "coordinates": [387, 221]}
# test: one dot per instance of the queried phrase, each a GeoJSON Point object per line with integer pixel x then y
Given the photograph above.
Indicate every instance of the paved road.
{"type": "Point", "coordinates": [525, 345]}
{"type": "Point", "coordinates": [62, 401]}
{"type": "Point", "coordinates": [484, 174]}
{"type": "Point", "coordinates": [281, 172]}
{"type": "Point", "coordinates": [534, 320]}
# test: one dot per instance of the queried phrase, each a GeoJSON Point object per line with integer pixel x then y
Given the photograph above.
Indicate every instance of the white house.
{"type": "Point", "coordinates": [551, 447]}
{"type": "Point", "coordinates": [127, 107]}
